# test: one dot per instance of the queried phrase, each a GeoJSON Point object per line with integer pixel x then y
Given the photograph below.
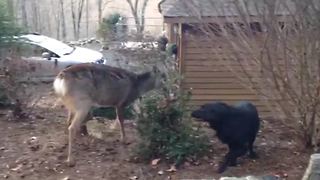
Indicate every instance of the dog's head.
{"type": "Point", "coordinates": [211, 112]}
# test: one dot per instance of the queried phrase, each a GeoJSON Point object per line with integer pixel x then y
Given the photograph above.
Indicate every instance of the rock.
{"type": "Point", "coordinates": [160, 172]}
{"type": "Point", "coordinates": [33, 143]}
{"type": "Point", "coordinates": [155, 162]}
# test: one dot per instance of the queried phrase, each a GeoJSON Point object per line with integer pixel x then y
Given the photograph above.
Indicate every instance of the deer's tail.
{"type": "Point", "coordinates": [60, 85]}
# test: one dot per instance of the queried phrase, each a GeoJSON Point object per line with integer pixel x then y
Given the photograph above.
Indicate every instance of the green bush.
{"type": "Point", "coordinates": [8, 27]}
{"type": "Point", "coordinates": [166, 130]}
{"type": "Point", "coordinates": [107, 27]}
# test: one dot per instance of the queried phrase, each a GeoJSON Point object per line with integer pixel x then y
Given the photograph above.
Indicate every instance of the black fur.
{"type": "Point", "coordinates": [237, 126]}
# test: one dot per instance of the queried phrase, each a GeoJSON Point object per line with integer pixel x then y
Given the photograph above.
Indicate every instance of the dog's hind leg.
{"type": "Point", "coordinates": [236, 151]}
{"type": "Point", "coordinates": [230, 158]}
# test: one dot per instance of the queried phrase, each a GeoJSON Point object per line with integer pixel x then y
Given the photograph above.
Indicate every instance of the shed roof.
{"type": "Point", "coordinates": [215, 8]}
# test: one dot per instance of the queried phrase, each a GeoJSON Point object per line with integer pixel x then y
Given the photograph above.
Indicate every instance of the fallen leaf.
{"type": "Point", "coordinates": [66, 178]}
{"type": "Point", "coordinates": [155, 162]}
{"type": "Point", "coordinates": [133, 178]}
{"type": "Point", "coordinates": [160, 172]}
{"type": "Point", "coordinates": [172, 169]}
{"type": "Point", "coordinates": [17, 168]}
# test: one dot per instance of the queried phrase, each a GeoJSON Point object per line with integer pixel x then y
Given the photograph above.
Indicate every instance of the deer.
{"type": "Point", "coordinates": [83, 86]}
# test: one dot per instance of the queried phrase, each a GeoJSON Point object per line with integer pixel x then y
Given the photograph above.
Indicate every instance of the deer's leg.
{"type": "Point", "coordinates": [70, 117]}
{"type": "Point", "coordinates": [120, 120]}
{"type": "Point", "coordinates": [84, 130]}
{"type": "Point", "coordinates": [75, 125]}
{"type": "Point", "coordinates": [69, 120]}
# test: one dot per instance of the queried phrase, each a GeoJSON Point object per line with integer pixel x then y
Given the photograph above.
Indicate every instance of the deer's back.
{"type": "Point", "coordinates": [102, 85]}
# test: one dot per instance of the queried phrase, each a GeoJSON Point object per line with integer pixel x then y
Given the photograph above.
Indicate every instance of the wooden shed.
{"type": "Point", "coordinates": [200, 59]}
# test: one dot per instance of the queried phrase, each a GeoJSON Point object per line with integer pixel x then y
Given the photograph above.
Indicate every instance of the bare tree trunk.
{"type": "Point", "coordinates": [80, 10]}
{"type": "Point", "coordinates": [87, 18]}
{"type": "Point", "coordinates": [48, 22]}
{"type": "Point", "coordinates": [99, 11]}
{"type": "Point", "coordinates": [24, 13]}
{"type": "Point", "coordinates": [134, 11]}
{"type": "Point", "coordinates": [73, 15]}
{"type": "Point", "coordinates": [76, 14]}
{"type": "Point", "coordinates": [56, 13]}
{"type": "Point", "coordinates": [143, 11]}
{"type": "Point", "coordinates": [10, 7]}
{"type": "Point", "coordinates": [63, 20]}
{"type": "Point", "coordinates": [36, 16]}
{"type": "Point", "coordinates": [138, 18]}
{"type": "Point", "coordinates": [101, 6]}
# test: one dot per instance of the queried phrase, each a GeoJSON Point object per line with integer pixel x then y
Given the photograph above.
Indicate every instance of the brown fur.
{"type": "Point", "coordinates": [82, 86]}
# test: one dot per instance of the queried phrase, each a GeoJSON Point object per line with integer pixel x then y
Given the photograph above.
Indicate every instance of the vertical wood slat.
{"type": "Point", "coordinates": [197, 59]}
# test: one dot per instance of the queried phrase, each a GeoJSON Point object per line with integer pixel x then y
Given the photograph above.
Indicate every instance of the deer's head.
{"type": "Point", "coordinates": [158, 76]}
{"type": "Point", "coordinates": [151, 80]}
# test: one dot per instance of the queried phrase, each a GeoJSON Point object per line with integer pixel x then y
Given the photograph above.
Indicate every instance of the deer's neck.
{"type": "Point", "coordinates": [142, 84]}
{"type": "Point", "coordinates": [145, 83]}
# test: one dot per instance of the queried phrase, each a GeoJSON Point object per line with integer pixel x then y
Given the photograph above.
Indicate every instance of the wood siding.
{"type": "Point", "coordinates": [206, 70]}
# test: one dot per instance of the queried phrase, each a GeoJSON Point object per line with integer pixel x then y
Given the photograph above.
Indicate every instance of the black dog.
{"type": "Point", "coordinates": [237, 126]}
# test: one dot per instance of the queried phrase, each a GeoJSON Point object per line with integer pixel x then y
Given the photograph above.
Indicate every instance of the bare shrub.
{"type": "Point", "coordinates": [14, 95]}
{"type": "Point", "coordinates": [275, 47]}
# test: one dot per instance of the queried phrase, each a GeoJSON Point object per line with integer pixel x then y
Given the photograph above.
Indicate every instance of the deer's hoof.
{"type": "Point", "coordinates": [70, 162]}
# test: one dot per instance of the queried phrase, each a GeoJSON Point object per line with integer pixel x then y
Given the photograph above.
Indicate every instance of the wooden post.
{"type": "Point", "coordinates": [313, 170]}
{"type": "Point", "coordinates": [170, 32]}
{"type": "Point", "coordinates": [181, 49]}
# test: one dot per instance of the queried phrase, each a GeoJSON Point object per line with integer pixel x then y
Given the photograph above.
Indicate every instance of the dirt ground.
{"type": "Point", "coordinates": [36, 147]}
